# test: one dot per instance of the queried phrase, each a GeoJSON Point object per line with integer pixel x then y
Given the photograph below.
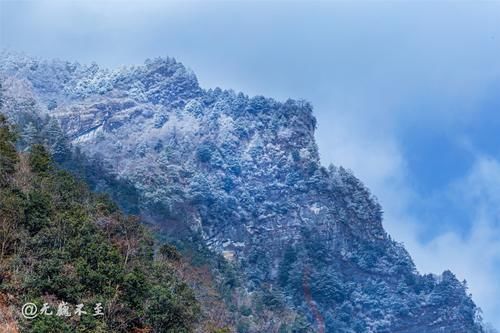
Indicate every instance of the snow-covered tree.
{"type": "Point", "coordinates": [29, 135]}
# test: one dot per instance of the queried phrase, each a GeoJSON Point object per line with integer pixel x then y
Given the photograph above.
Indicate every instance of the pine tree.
{"type": "Point", "coordinates": [8, 155]}
{"type": "Point", "coordinates": [1, 95]}
{"type": "Point", "coordinates": [40, 160]}
{"type": "Point", "coordinates": [29, 135]}
{"type": "Point", "coordinates": [58, 143]}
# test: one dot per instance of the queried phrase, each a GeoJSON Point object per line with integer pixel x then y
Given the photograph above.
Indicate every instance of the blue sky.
{"type": "Point", "coordinates": [406, 95]}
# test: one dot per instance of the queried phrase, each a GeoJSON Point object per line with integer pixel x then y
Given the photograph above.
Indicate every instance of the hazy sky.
{"type": "Point", "coordinates": [406, 95]}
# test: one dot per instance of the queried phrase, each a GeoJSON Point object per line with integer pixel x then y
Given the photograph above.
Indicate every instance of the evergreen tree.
{"type": "Point", "coordinates": [29, 135]}
{"type": "Point", "coordinates": [40, 160]}
{"type": "Point", "coordinates": [1, 95]}
{"type": "Point", "coordinates": [8, 155]}
{"type": "Point", "coordinates": [57, 140]}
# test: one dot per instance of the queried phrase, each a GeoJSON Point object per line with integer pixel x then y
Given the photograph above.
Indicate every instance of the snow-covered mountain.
{"type": "Point", "coordinates": [244, 175]}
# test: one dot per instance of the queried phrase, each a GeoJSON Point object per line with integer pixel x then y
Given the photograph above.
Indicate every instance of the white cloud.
{"type": "Point", "coordinates": [475, 256]}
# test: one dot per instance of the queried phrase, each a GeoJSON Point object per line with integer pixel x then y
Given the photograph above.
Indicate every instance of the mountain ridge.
{"type": "Point", "coordinates": [244, 174]}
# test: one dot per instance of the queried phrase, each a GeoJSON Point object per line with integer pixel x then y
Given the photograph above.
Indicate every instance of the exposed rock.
{"type": "Point", "coordinates": [249, 171]}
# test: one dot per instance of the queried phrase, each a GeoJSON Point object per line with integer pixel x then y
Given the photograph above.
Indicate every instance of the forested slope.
{"type": "Point", "coordinates": [62, 243]}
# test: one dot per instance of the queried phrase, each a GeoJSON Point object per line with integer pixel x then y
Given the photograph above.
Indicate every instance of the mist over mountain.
{"type": "Point", "coordinates": [240, 177]}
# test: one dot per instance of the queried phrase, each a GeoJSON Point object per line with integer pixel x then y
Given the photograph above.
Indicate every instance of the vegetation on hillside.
{"type": "Point", "coordinates": [62, 243]}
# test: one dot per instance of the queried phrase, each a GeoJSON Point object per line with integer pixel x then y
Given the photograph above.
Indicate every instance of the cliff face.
{"type": "Point", "coordinates": [244, 174]}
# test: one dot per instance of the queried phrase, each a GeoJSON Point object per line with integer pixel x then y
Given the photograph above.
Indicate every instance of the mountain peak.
{"type": "Point", "coordinates": [242, 176]}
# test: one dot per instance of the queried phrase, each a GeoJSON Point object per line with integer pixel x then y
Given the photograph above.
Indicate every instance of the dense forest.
{"type": "Point", "coordinates": [62, 243]}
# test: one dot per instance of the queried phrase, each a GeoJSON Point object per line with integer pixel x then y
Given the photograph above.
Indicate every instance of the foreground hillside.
{"type": "Point", "coordinates": [242, 178]}
{"type": "Point", "coordinates": [61, 243]}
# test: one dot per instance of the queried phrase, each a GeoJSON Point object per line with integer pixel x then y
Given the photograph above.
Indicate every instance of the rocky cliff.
{"type": "Point", "coordinates": [243, 176]}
